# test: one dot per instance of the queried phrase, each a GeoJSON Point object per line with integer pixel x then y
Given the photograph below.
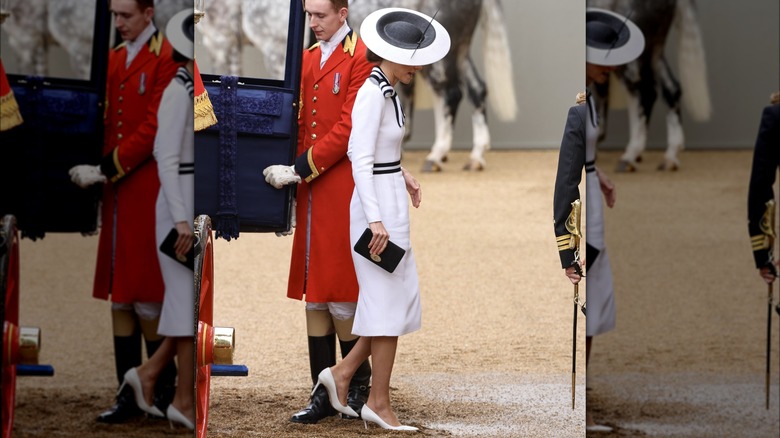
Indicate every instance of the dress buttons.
{"type": "Point", "coordinates": [314, 136]}
{"type": "Point", "coordinates": [313, 124]}
{"type": "Point", "coordinates": [119, 112]}
{"type": "Point", "coordinates": [119, 124]}
{"type": "Point", "coordinates": [316, 86]}
{"type": "Point", "coordinates": [314, 99]}
{"type": "Point", "coordinates": [119, 136]}
{"type": "Point", "coordinates": [314, 112]}
{"type": "Point", "coordinates": [121, 98]}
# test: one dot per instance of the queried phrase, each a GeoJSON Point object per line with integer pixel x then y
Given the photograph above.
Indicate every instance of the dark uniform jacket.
{"type": "Point", "coordinates": [571, 160]}
{"type": "Point", "coordinates": [766, 159]}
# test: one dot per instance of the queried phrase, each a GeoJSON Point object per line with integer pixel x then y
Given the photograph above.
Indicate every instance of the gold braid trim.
{"type": "Point", "coordinates": [350, 42]}
{"type": "Point", "coordinates": [10, 116]}
{"type": "Point", "coordinates": [204, 112]}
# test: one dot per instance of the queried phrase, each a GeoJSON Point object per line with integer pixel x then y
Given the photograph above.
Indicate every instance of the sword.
{"type": "Point", "coordinates": [573, 226]}
{"type": "Point", "coordinates": [768, 227]}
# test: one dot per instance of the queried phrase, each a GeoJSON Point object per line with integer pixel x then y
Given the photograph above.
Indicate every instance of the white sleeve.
{"type": "Point", "coordinates": [366, 120]}
{"type": "Point", "coordinates": [171, 122]}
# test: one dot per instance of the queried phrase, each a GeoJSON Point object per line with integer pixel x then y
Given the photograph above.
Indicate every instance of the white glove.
{"type": "Point", "coordinates": [279, 175]}
{"type": "Point", "coordinates": [292, 221]}
{"type": "Point", "coordinates": [84, 175]}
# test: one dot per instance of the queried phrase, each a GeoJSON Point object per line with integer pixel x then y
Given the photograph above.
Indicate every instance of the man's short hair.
{"type": "Point", "coordinates": [337, 4]}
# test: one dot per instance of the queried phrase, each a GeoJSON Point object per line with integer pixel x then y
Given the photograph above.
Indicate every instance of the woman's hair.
{"type": "Point", "coordinates": [178, 57]}
{"type": "Point", "coordinates": [775, 98]}
{"type": "Point", "coordinates": [373, 57]}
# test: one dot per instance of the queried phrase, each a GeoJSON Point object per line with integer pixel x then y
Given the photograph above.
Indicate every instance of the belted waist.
{"type": "Point", "coordinates": [186, 168]}
{"type": "Point", "coordinates": [382, 168]}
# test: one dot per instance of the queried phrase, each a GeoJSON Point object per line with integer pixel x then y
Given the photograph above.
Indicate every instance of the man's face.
{"type": "Point", "coordinates": [598, 73]}
{"type": "Point", "coordinates": [324, 20]}
{"type": "Point", "coordinates": [129, 19]}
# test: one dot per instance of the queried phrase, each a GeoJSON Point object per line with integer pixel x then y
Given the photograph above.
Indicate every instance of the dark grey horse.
{"type": "Point", "coordinates": [650, 74]}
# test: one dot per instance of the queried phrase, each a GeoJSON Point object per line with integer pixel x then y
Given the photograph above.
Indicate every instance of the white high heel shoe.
{"type": "Point", "coordinates": [368, 415]}
{"type": "Point", "coordinates": [326, 379]}
{"type": "Point", "coordinates": [174, 416]}
{"type": "Point", "coordinates": [132, 379]}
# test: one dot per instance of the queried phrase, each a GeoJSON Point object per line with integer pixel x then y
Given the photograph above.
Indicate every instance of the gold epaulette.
{"type": "Point", "coordinates": [156, 43]}
{"type": "Point", "coordinates": [314, 46]}
{"type": "Point", "coordinates": [760, 241]}
{"type": "Point", "coordinates": [349, 43]}
{"type": "Point", "coordinates": [567, 241]}
{"type": "Point", "coordinates": [122, 44]}
{"type": "Point", "coordinates": [204, 112]}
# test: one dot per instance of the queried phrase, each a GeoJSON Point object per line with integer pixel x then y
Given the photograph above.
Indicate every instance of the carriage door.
{"type": "Point", "coordinates": [55, 55]}
{"type": "Point", "coordinates": [256, 113]}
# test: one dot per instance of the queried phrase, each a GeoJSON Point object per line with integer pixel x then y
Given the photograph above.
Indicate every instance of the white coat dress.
{"type": "Point", "coordinates": [175, 154]}
{"type": "Point", "coordinates": [600, 295]}
{"type": "Point", "coordinates": [388, 303]}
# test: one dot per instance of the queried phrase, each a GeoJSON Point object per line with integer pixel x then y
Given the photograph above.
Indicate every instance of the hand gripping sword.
{"type": "Point", "coordinates": [573, 227]}
{"type": "Point", "coordinates": [768, 228]}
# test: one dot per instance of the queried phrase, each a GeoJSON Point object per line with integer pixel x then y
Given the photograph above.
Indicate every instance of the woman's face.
{"type": "Point", "coordinates": [400, 73]}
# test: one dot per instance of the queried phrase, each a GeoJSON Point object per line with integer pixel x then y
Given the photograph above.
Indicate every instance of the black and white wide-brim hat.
{"type": "Point", "coordinates": [611, 39]}
{"type": "Point", "coordinates": [405, 36]}
{"type": "Point", "coordinates": [180, 32]}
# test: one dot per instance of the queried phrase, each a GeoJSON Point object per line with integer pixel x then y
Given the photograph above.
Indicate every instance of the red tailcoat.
{"type": "Point", "coordinates": [324, 125]}
{"type": "Point", "coordinates": [127, 265]}
{"type": "Point", "coordinates": [9, 109]}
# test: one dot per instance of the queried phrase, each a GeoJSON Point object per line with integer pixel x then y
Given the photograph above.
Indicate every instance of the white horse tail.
{"type": "Point", "coordinates": [692, 64]}
{"type": "Point", "coordinates": [500, 84]}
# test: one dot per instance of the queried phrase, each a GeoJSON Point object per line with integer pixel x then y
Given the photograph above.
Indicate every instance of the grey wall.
{"type": "Point", "coordinates": [742, 48]}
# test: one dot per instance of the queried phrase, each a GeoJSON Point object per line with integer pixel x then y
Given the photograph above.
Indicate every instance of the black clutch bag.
{"type": "Point", "coordinates": [389, 258]}
{"type": "Point", "coordinates": [166, 247]}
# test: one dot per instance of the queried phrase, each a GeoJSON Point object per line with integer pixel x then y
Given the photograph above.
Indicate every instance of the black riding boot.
{"type": "Point", "coordinates": [127, 354]}
{"type": "Point", "coordinates": [360, 385]}
{"type": "Point", "coordinates": [165, 388]}
{"type": "Point", "coordinates": [322, 354]}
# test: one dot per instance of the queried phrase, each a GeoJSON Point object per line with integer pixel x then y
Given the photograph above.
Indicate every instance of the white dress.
{"type": "Point", "coordinates": [175, 153]}
{"type": "Point", "coordinates": [388, 303]}
{"type": "Point", "coordinates": [600, 295]}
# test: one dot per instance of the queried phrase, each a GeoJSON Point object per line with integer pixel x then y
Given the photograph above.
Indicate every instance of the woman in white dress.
{"type": "Point", "coordinates": [174, 153]}
{"type": "Point", "coordinates": [399, 42]}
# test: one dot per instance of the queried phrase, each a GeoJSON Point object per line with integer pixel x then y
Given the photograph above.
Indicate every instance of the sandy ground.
{"type": "Point", "coordinates": [493, 358]}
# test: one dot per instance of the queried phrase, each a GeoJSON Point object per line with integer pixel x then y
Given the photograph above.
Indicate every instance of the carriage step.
{"type": "Point", "coordinates": [229, 370]}
{"type": "Point", "coordinates": [34, 370]}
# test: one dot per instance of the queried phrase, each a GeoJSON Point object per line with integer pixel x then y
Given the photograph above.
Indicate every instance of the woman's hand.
{"type": "Point", "coordinates": [185, 240]}
{"type": "Point", "coordinates": [607, 188]}
{"type": "Point", "coordinates": [380, 238]}
{"type": "Point", "coordinates": [413, 187]}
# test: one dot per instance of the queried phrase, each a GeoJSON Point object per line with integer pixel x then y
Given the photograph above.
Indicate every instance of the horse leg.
{"type": "Point", "coordinates": [477, 94]}
{"type": "Point", "coordinates": [444, 121]}
{"type": "Point", "coordinates": [446, 98]}
{"type": "Point", "coordinates": [675, 136]}
{"type": "Point", "coordinates": [640, 82]}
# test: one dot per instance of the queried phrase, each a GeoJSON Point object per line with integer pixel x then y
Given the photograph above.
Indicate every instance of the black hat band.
{"type": "Point", "coordinates": [605, 31]}
{"type": "Point", "coordinates": [405, 30]}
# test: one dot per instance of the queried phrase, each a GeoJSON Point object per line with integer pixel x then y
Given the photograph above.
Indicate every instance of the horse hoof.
{"type": "Point", "coordinates": [473, 166]}
{"type": "Point", "coordinates": [444, 159]}
{"type": "Point", "coordinates": [639, 159]}
{"type": "Point", "coordinates": [668, 165]}
{"type": "Point", "coordinates": [430, 166]}
{"type": "Point", "coordinates": [624, 166]}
